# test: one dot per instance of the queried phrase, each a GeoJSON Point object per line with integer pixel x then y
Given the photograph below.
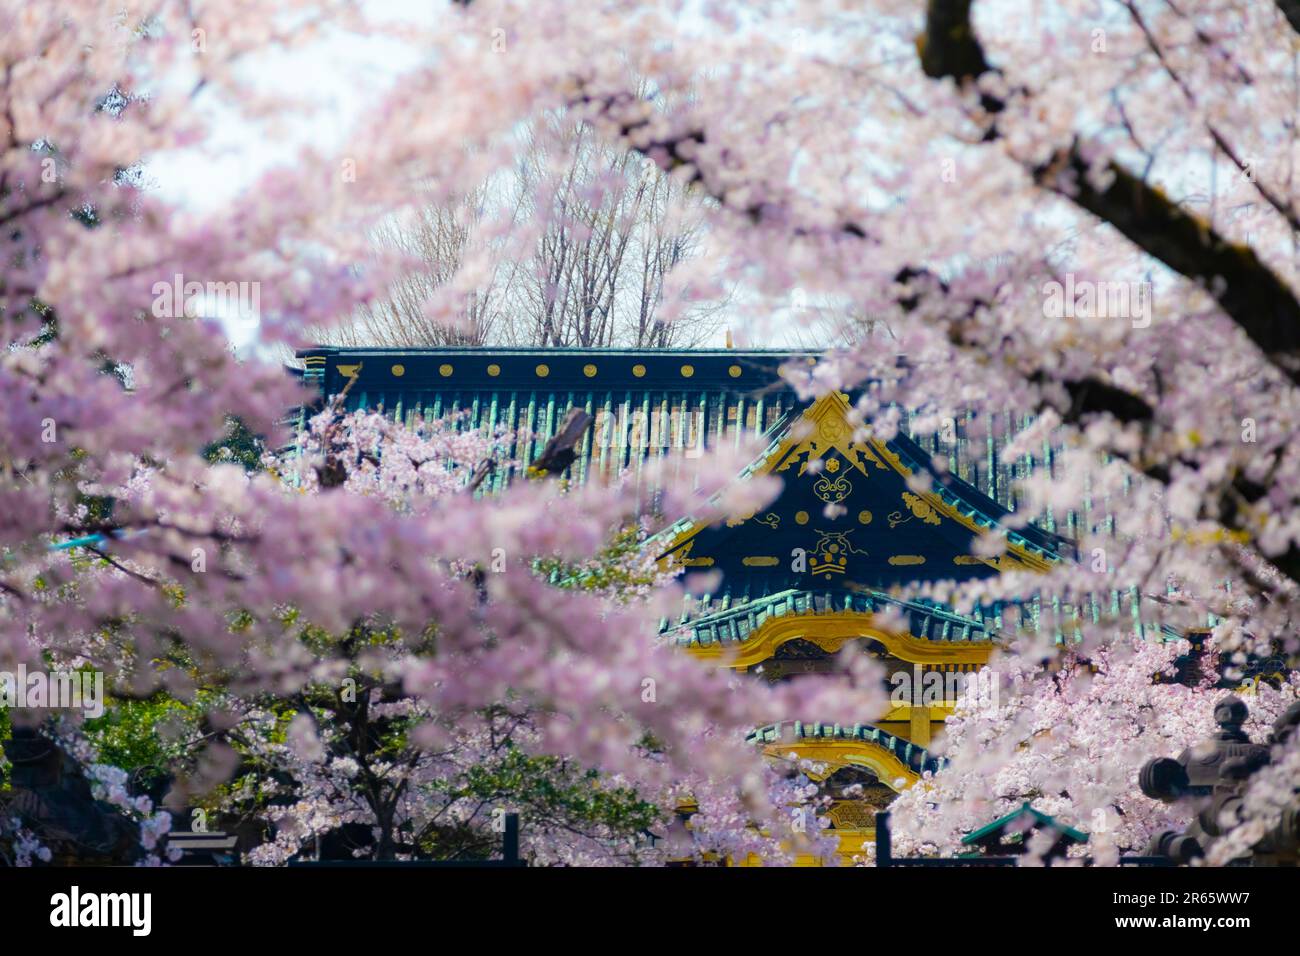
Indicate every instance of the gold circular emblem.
{"type": "Point", "coordinates": [831, 430]}
{"type": "Point", "coordinates": [688, 371]}
{"type": "Point", "coordinates": [734, 371]}
{"type": "Point", "coordinates": [864, 517]}
{"type": "Point", "coordinates": [589, 371]}
{"type": "Point", "coordinates": [543, 371]}
{"type": "Point", "coordinates": [399, 370]}
{"type": "Point", "coordinates": [444, 371]}
{"type": "Point", "coordinates": [638, 370]}
{"type": "Point", "coordinates": [494, 370]}
{"type": "Point", "coordinates": [801, 517]}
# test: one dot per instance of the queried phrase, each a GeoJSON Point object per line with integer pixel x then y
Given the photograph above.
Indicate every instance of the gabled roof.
{"type": "Point", "coordinates": [1023, 818]}
{"type": "Point", "coordinates": [854, 513]}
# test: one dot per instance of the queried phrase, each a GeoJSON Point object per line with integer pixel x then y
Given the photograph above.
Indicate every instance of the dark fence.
{"type": "Point", "coordinates": [509, 855]}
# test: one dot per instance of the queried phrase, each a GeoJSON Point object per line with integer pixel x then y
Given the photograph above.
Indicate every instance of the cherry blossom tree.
{"type": "Point", "coordinates": [1070, 739]}
{"type": "Point", "coordinates": [187, 576]}
{"type": "Point", "coordinates": [1084, 211]}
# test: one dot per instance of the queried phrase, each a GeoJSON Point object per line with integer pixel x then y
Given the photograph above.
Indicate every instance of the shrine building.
{"type": "Point", "coordinates": [824, 564]}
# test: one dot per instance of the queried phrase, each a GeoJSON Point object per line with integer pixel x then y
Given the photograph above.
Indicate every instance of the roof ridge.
{"type": "Point", "coordinates": [546, 350]}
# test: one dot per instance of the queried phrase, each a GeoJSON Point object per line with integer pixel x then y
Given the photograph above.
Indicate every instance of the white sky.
{"type": "Point", "coordinates": [342, 75]}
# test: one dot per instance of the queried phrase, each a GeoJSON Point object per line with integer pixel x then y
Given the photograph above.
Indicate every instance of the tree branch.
{"type": "Point", "coordinates": [1261, 304]}
{"type": "Point", "coordinates": [1291, 10]}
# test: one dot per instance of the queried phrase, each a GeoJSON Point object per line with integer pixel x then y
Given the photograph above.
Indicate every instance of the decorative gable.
{"type": "Point", "coordinates": [852, 514]}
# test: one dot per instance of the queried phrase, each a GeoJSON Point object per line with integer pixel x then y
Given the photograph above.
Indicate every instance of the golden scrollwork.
{"type": "Point", "coordinates": [823, 428]}
{"type": "Point", "coordinates": [920, 508]}
{"type": "Point", "coordinates": [683, 557]}
{"type": "Point", "coordinates": [1016, 554]}
{"type": "Point", "coordinates": [832, 490]}
{"type": "Point", "coordinates": [771, 520]}
{"type": "Point", "coordinates": [831, 553]}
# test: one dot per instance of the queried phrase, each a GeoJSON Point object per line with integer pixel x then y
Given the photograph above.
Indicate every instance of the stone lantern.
{"type": "Point", "coordinates": [1215, 774]}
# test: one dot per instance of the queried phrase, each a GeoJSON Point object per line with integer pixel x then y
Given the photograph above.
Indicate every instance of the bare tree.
{"type": "Point", "coordinates": [440, 238]}
{"type": "Point", "coordinates": [668, 239]}
{"type": "Point", "coordinates": [573, 247]}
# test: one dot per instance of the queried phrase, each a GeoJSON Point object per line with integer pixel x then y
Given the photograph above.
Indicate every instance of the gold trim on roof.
{"type": "Point", "coordinates": [830, 630]}
{"type": "Point", "coordinates": [823, 428]}
{"type": "Point", "coordinates": [929, 503]}
{"type": "Point", "coordinates": [835, 755]}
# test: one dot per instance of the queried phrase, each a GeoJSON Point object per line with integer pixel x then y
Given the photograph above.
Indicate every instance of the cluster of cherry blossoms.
{"type": "Point", "coordinates": [110, 784]}
{"type": "Point", "coordinates": [1069, 738]}
{"type": "Point", "coordinates": [24, 846]}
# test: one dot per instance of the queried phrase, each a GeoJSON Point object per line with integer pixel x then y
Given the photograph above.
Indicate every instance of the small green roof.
{"type": "Point", "coordinates": [1041, 820]}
